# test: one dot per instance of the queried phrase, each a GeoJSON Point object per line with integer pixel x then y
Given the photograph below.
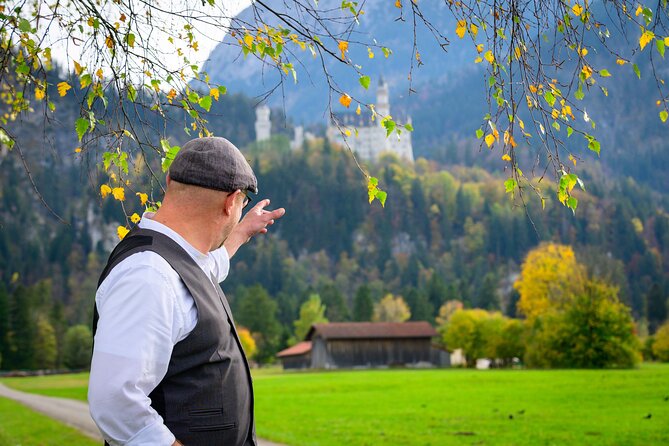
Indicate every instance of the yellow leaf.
{"type": "Point", "coordinates": [584, 52]}
{"type": "Point", "coordinates": [577, 10]}
{"type": "Point", "coordinates": [461, 28]}
{"type": "Point", "coordinates": [666, 41]}
{"type": "Point", "coordinates": [171, 95]}
{"type": "Point", "coordinates": [135, 218]}
{"type": "Point", "coordinates": [248, 40]}
{"type": "Point", "coordinates": [99, 73]}
{"type": "Point", "coordinates": [370, 53]}
{"type": "Point", "coordinates": [517, 52]}
{"type": "Point", "coordinates": [479, 48]}
{"type": "Point", "coordinates": [214, 93]}
{"type": "Point", "coordinates": [621, 62]}
{"type": "Point", "coordinates": [398, 4]}
{"type": "Point", "coordinates": [105, 190]}
{"type": "Point", "coordinates": [347, 132]}
{"type": "Point", "coordinates": [118, 193]}
{"type": "Point", "coordinates": [572, 159]}
{"type": "Point", "coordinates": [78, 68]}
{"type": "Point", "coordinates": [533, 89]}
{"type": "Point", "coordinates": [474, 30]}
{"type": "Point", "coordinates": [489, 56]}
{"type": "Point", "coordinates": [489, 139]}
{"type": "Point", "coordinates": [521, 124]}
{"type": "Point", "coordinates": [587, 71]}
{"type": "Point", "coordinates": [109, 42]}
{"type": "Point", "coordinates": [39, 94]}
{"type": "Point", "coordinates": [357, 110]}
{"type": "Point", "coordinates": [658, 102]}
{"type": "Point", "coordinates": [77, 150]}
{"type": "Point", "coordinates": [345, 100]}
{"type": "Point", "coordinates": [506, 157]}
{"type": "Point", "coordinates": [143, 198]}
{"type": "Point", "coordinates": [343, 47]}
{"type": "Point", "coordinates": [62, 88]}
{"type": "Point", "coordinates": [646, 38]}
{"type": "Point", "coordinates": [555, 114]}
{"type": "Point", "coordinates": [638, 11]}
{"type": "Point", "coordinates": [90, 21]}
{"type": "Point", "coordinates": [529, 101]}
{"type": "Point", "coordinates": [122, 231]}
{"type": "Point", "coordinates": [512, 141]}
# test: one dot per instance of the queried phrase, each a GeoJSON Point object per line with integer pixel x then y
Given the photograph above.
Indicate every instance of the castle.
{"type": "Point", "coordinates": [370, 140]}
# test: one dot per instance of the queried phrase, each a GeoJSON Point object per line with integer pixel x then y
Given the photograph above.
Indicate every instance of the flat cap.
{"type": "Point", "coordinates": [213, 163]}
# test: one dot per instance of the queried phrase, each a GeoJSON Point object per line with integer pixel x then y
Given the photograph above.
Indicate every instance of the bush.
{"type": "Point", "coordinates": [78, 347]}
{"type": "Point", "coordinates": [661, 344]}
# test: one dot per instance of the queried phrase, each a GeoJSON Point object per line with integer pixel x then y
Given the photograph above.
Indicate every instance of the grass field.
{"type": "Point", "coordinates": [21, 426]}
{"type": "Point", "coordinates": [448, 407]}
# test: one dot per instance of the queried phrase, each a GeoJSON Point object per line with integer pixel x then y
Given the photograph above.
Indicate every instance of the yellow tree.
{"type": "Point", "coordinates": [391, 309]}
{"type": "Point", "coordinates": [549, 278]}
{"type": "Point", "coordinates": [248, 343]}
{"type": "Point", "coordinates": [661, 344]}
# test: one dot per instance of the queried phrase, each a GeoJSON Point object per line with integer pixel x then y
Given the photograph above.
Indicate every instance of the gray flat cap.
{"type": "Point", "coordinates": [213, 163]}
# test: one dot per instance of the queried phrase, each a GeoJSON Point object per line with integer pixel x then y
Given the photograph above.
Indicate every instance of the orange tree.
{"type": "Point", "coordinates": [132, 63]}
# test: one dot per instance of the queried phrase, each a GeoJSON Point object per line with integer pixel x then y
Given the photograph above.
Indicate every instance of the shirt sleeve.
{"type": "Point", "coordinates": [221, 263]}
{"type": "Point", "coordinates": [132, 349]}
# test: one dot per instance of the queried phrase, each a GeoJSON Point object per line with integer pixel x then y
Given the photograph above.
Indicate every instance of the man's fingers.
{"type": "Point", "coordinates": [262, 204]}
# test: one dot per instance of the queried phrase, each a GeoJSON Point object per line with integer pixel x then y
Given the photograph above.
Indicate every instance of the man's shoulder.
{"type": "Point", "coordinates": [144, 266]}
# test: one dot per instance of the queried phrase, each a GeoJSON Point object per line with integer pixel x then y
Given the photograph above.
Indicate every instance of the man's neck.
{"type": "Point", "coordinates": [196, 231]}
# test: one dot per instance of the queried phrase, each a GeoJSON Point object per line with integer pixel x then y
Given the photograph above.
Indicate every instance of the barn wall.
{"type": "Point", "coordinates": [319, 353]}
{"type": "Point", "coordinates": [379, 352]}
{"type": "Point", "coordinates": [297, 361]}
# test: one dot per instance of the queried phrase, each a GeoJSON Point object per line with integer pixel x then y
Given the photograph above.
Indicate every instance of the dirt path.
{"type": "Point", "coordinates": [71, 412]}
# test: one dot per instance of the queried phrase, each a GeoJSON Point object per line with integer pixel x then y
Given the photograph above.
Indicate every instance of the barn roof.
{"type": "Point", "coordinates": [298, 349]}
{"type": "Point", "coordinates": [372, 330]}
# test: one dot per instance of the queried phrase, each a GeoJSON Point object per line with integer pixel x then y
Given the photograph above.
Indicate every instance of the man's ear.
{"type": "Point", "coordinates": [229, 204]}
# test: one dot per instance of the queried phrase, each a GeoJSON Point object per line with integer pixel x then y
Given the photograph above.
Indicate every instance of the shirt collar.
{"type": "Point", "coordinates": [147, 222]}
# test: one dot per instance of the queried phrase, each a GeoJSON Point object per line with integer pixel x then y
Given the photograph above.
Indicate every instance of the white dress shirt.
{"type": "Point", "coordinates": [144, 310]}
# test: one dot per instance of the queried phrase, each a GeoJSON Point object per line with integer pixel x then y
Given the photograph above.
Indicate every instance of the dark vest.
{"type": "Point", "coordinates": [206, 397]}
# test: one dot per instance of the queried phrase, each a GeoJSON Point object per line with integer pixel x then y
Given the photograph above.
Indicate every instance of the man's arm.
{"type": "Point", "coordinates": [133, 343]}
{"type": "Point", "coordinates": [254, 222]}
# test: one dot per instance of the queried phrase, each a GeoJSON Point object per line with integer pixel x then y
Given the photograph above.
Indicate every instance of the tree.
{"type": "Point", "coordinates": [311, 312]}
{"type": "Point", "coordinates": [363, 304]}
{"type": "Point", "coordinates": [78, 347]}
{"type": "Point", "coordinates": [391, 309]}
{"type": "Point", "coordinates": [661, 344]}
{"type": "Point", "coordinates": [129, 68]}
{"type": "Point", "coordinates": [248, 343]}
{"type": "Point", "coordinates": [46, 349]}
{"type": "Point", "coordinates": [257, 312]}
{"type": "Point", "coordinates": [595, 330]}
{"type": "Point", "coordinates": [333, 300]}
{"type": "Point", "coordinates": [464, 330]}
{"type": "Point", "coordinates": [549, 277]}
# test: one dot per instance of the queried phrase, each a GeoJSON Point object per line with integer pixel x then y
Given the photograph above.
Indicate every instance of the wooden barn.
{"type": "Point", "coordinates": [363, 344]}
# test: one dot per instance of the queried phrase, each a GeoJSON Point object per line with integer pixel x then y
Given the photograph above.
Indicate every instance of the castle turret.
{"type": "Point", "coordinates": [382, 101]}
{"type": "Point", "coordinates": [263, 124]}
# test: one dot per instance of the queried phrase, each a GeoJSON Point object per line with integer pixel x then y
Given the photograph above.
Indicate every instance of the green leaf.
{"type": "Point", "coordinates": [205, 102]}
{"type": "Point", "coordinates": [130, 40]}
{"type": "Point", "coordinates": [81, 126]}
{"type": "Point", "coordinates": [222, 89]}
{"type": "Point", "coordinates": [569, 131]}
{"type": "Point", "coordinates": [556, 125]}
{"type": "Point", "coordinates": [604, 73]}
{"type": "Point", "coordinates": [381, 196]}
{"type": "Point", "coordinates": [24, 26]}
{"type": "Point", "coordinates": [365, 81]}
{"type": "Point", "coordinates": [550, 99]}
{"type": "Point", "coordinates": [132, 93]}
{"type": "Point", "coordinates": [6, 140]}
{"type": "Point", "coordinates": [169, 155]}
{"type": "Point", "coordinates": [664, 115]}
{"type": "Point", "coordinates": [572, 203]}
{"type": "Point", "coordinates": [659, 44]}
{"type": "Point", "coordinates": [373, 181]}
{"type": "Point", "coordinates": [579, 92]}
{"type": "Point", "coordinates": [636, 70]}
{"type": "Point", "coordinates": [386, 52]}
{"type": "Point", "coordinates": [389, 125]}
{"type": "Point", "coordinates": [409, 127]}
{"type": "Point", "coordinates": [479, 133]}
{"type": "Point", "coordinates": [593, 145]}
{"type": "Point", "coordinates": [510, 185]}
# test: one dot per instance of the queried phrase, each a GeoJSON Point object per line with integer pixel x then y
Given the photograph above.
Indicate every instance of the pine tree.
{"type": "Point", "coordinates": [363, 304]}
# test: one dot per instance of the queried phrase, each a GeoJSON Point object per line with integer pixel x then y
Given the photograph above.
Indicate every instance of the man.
{"type": "Point", "coordinates": [168, 367]}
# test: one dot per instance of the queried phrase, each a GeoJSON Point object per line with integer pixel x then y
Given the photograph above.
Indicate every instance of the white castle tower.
{"type": "Point", "coordinates": [263, 124]}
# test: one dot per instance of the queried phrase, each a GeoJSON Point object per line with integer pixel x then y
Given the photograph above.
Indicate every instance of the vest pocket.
{"type": "Point", "coordinates": [212, 427]}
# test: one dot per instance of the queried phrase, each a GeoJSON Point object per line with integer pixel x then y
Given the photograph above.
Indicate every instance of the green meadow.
{"type": "Point", "coordinates": [447, 406]}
